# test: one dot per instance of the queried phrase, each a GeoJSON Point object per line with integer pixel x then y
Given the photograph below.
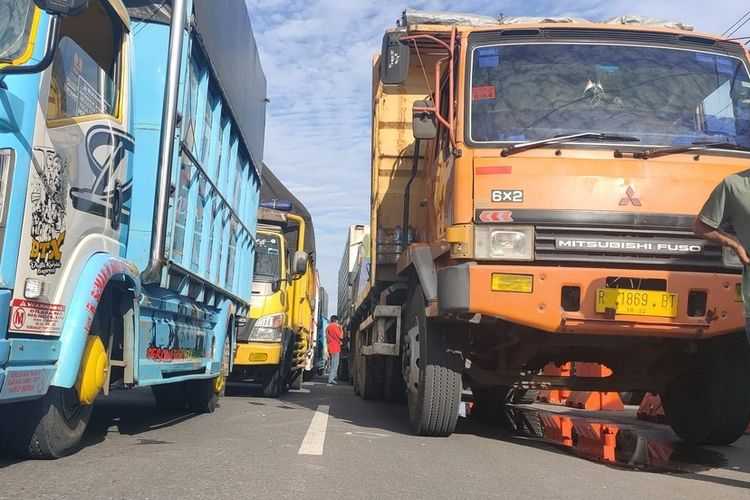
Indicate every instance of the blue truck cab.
{"type": "Point", "coordinates": [131, 145]}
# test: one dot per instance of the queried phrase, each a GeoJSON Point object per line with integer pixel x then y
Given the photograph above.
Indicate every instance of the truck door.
{"type": "Point", "coordinates": [78, 194]}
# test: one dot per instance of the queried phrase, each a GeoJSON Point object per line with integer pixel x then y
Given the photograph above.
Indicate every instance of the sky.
{"type": "Point", "coordinates": [317, 55]}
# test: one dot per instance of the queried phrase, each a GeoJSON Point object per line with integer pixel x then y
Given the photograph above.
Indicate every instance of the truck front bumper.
{"type": "Point", "coordinates": [26, 368]}
{"type": "Point", "coordinates": [258, 353]}
{"type": "Point", "coordinates": [467, 288]}
{"type": "Point", "coordinates": [26, 365]}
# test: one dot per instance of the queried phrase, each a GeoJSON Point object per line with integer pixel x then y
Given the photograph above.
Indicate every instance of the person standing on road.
{"type": "Point", "coordinates": [729, 205]}
{"type": "Point", "coordinates": [334, 336]}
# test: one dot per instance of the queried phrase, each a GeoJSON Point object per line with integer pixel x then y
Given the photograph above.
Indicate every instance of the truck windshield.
{"type": "Point", "coordinates": [662, 96]}
{"type": "Point", "coordinates": [267, 258]}
{"type": "Point", "coordinates": [15, 27]}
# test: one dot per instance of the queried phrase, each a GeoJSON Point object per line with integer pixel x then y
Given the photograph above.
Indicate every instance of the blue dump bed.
{"type": "Point", "coordinates": [216, 179]}
{"type": "Point", "coordinates": [218, 151]}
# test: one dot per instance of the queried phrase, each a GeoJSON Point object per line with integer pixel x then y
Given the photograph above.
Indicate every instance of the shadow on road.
{"type": "Point", "coordinates": [128, 413]}
{"type": "Point", "coordinates": [636, 446]}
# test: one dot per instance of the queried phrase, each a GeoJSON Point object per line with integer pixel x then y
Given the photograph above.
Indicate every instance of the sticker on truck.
{"type": "Point", "coordinates": [36, 317]}
{"type": "Point", "coordinates": [25, 383]}
{"type": "Point", "coordinates": [484, 93]}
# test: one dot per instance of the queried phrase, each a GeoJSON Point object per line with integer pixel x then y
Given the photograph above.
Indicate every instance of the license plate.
{"type": "Point", "coordinates": [637, 302]}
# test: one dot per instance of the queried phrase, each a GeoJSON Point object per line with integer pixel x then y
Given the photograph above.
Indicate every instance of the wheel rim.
{"type": "Point", "coordinates": [220, 381]}
{"type": "Point", "coordinates": [410, 360]}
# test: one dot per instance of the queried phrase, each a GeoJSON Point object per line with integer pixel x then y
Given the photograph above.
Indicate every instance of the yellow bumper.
{"type": "Point", "coordinates": [258, 353]}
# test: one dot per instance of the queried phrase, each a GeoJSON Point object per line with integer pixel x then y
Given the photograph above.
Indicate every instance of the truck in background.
{"type": "Point", "coordinates": [357, 238]}
{"type": "Point", "coordinates": [320, 357]}
{"type": "Point", "coordinates": [100, 292]}
{"type": "Point", "coordinates": [275, 343]}
{"type": "Point", "coordinates": [540, 210]}
{"type": "Point", "coordinates": [354, 240]}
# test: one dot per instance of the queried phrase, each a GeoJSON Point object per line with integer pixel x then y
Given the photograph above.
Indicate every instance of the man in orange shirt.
{"type": "Point", "coordinates": [334, 336]}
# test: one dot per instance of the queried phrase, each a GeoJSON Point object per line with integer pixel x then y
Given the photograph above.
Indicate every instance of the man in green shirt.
{"type": "Point", "coordinates": [729, 206]}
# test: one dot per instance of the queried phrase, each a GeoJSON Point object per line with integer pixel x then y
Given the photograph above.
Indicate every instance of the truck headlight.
{"type": "Point", "coordinates": [268, 328]}
{"type": "Point", "coordinates": [504, 243]}
{"type": "Point", "coordinates": [730, 258]}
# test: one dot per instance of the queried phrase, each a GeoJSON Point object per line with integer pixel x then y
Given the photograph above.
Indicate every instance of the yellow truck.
{"type": "Point", "coordinates": [535, 184]}
{"type": "Point", "coordinates": [275, 342]}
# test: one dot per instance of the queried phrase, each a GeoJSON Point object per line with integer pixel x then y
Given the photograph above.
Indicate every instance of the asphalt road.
{"type": "Point", "coordinates": [323, 442]}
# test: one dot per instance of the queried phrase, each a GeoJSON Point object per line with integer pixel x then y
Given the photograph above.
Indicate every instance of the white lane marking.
{"type": "Point", "coordinates": [316, 433]}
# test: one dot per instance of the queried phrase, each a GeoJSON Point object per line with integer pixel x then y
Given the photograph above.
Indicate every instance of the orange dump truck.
{"type": "Point", "coordinates": [534, 187]}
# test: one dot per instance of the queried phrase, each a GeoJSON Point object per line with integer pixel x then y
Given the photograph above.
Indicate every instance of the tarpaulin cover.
{"type": "Point", "coordinates": [225, 32]}
{"type": "Point", "coordinates": [158, 11]}
{"type": "Point", "coordinates": [272, 189]}
{"type": "Point", "coordinates": [650, 21]}
{"type": "Point", "coordinates": [411, 17]}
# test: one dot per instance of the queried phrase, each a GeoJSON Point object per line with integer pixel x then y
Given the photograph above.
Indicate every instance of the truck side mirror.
{"type": "Point", "coordinates": [62, 7]}
{"type": "Point", "coordinates": [423, 123]}
{"type": "Point", "coordinates": [299, 263]}
{"type": "Point", "coordinates": [394, 60]}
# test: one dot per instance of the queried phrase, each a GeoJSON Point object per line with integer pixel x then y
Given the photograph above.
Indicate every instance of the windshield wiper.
{"type": "Point", "coordinates": [602, 136]}
{"type": "Point", "coordinates": [689, 148]}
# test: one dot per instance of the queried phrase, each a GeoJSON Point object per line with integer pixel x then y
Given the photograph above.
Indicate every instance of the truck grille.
{"type": "Point", "coordinates": [667, 249]}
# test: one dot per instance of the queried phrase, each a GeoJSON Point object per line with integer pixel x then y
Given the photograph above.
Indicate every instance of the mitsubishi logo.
{"type": "Point", "coordinates": [631, 198]}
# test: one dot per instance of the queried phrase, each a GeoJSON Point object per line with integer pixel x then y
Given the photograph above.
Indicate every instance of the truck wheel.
{"type": "Point", "coordinates": [489, 403]}
{"type": "Point", "coordinates": [170, 397]}
{"type": "Point", "coordinates": [710, 404]}
{"type": "Point", "coordinates": [433, 374]}
{"type": "Point", "coordinates": [372, 385]}
{"type": "Point", "coordinates": [202, 395]}
{"type": "Point", "coordinates": [273, 384]}
{"type": "Point", "coordinates": [220, 382]}
{"type": "Point", "coordinates": [395, 389]}
{"type": "Point", "coordinates": [50, 427]}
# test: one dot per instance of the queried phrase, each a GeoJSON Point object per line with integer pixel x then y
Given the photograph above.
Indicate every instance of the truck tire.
{"type": "Point", "coordinates": [434, 392]}
{"type": "Point", "coordinates": [47, 428]}
{"type": "Point", "coordinates": [710, 403]}
{"type": "Point", "coordinates": [170, 397]}
{"type": "Point", "coordinates": [372, 385]}
{"type": "Point", "coordinates": [395, 388]}
{"type": "Point", "coordinates": [272, 385]}
{"type": "Point", "coordinates": [202, 396]}
{"type": "Point", "coordinates": [489, 403]}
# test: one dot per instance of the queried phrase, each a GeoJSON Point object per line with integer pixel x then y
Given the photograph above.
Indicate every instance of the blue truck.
{"type": "Point", "coordinates": [131, 146]}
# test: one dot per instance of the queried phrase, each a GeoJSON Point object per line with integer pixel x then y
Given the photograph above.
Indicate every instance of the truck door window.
{"type": "Point", "coordinates": [85, 72]}
{"type": "Point", "coordinates": [15, 27]}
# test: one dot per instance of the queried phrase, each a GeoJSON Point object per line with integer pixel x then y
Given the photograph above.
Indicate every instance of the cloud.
{"type": "Point", "coordinates": [317, 56]}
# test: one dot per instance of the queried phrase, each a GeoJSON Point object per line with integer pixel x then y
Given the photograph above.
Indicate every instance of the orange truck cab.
{"type": "Point", "coordinates": [535, 185]}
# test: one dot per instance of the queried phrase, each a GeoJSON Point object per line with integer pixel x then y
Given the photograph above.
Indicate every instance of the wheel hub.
{"type": "Point", "coordinates": [410, 360]}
